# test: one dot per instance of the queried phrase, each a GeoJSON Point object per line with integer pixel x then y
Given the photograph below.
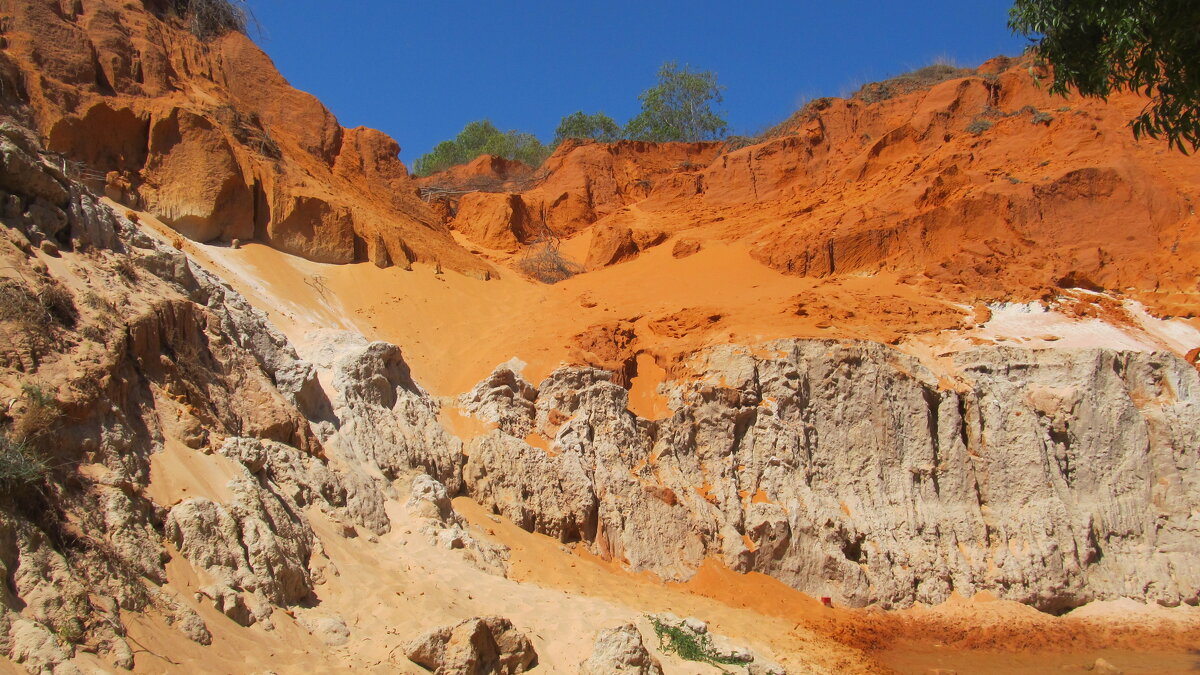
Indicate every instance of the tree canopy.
{"type": "Point", "coordinates": [1148, 46]}
{"type": "Point", "coordinates": [581, 125]}
{"type": "Point", "coordinates": [482, 138]}
{"type": "Point", "coordinates": [679, 107]}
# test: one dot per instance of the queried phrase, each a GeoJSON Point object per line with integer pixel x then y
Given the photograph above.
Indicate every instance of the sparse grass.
{"type": "Point", "coordinates": [58, 303]}
{"type": "Point", "coordinates": [100, 303]}
{"type": "Point", "coordinates": [733, 143]}
{"type": "Point", "coordinates": [29, 320]}
{"type": "Point", "coordinates": [94, 333]}
{"type": "Point", "coordinates": [19, 467]}
{"type": "Point", "coordinates": [19, 303]}
{"type": "Point", "coordinates": [41, 415]}
{"type": "Point", "coordinates": [677, 639]}
{"type": "Point", "coordinates": [917, 80]}
{"type": "Point", "coordinates": [126, 268]}
{"type": "Point", "coordinates": [52, 303]}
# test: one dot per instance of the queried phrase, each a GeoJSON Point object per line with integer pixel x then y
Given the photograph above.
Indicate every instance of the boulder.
{"type": "Point", "coordinates": [479, 646]}
{"type": "Point", "coordinates": [619, 651]}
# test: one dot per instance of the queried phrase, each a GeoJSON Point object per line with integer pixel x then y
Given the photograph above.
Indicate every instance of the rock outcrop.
{"type": "Point", "coordinates": [1051, 477]}
{"type": "Point", "coordinates": [619, 651]}
{"type": "Point", "coordinates": [207, 135]}
{"type": "Point", "coordinates": [481, 646]}
{"type": "Point", "coordinates": [140, 354]}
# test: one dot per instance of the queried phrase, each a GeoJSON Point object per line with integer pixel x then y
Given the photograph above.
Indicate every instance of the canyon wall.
{"type": "Point", "coordinates": [847, 469]}
{"type": "Point", "coordinates": [210, 137]}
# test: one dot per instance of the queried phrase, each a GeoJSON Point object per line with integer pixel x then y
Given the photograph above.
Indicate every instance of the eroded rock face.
{"type": "Point", "coordinates": [389, 422]}
{"type": "Point", "coordinates": [848, 469]}
{"type": "Point", "coordinates": [429, 504]}
{"type": "Point", "coordinates": [156, 349]}
{"type": "Point", "coordinates": [481, 646]}
{"type": "Point", "coordinates": [210, 137]}
{"type": "Point", "coordinates": [495, 220]}
{"type": "Point", "coordinates": [196, 184]}
{"type": "Point", "coordinates": [619, 651]}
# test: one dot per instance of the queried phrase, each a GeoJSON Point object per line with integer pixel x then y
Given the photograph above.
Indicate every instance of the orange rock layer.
{"type": "Point", "coordinates": [209, 136]}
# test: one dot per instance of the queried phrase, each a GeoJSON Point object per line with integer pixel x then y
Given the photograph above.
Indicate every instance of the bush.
{"type": "Point", "coordinates": [545, 263]}
{"type": "Point", "coordinates": [1040, 117]}
{"type": "Point", "coordinates": [125, 268]}
{"type": "Point", "coordinates": [19, 304]}
{"type": "Point", "coordinates": [207, 19]}
{"type": "Point", "coordinates": [580, 125]}
{"type": "Point", "coordinates": [59, 304]}
{"type": "Point", "coordinates": [50, 304]}
{"type": "Point", "coordinates": [249, 130]}
{"type": "Point", "coordinates": [979, 125]}
{"type": "Point", "coordinates": [677, 639]}
{"type": "Point", "coordinates": [18, 465]}
{"type": "Point", "coordinates": [679, 107]}
{"type": "Point", "coordinates": [482, 138]}
{"type": "Point", "coordinates": [41, 415]}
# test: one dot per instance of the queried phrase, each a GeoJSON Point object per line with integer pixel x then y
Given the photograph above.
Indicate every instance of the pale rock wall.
{"type": "Point", "coordinates": [1052, 477]}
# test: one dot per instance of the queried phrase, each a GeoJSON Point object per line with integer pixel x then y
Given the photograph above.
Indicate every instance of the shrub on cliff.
{"type": "Point", "coordinates": [19, 466]}
{"type": "Point", "coordinates": [207, 19]}
{"type": "Point", "coordinates": [1146, 46]}
{"type": "Point", "coordinates": [679, 107]}
{"type": "Point", "coordinates": [579, 124]}
{"type": "Point", "coordinates": [482, 138]}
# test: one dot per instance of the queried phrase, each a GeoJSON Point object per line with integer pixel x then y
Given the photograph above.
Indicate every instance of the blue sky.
{"type": "Point", "coordinates": [421, 71]}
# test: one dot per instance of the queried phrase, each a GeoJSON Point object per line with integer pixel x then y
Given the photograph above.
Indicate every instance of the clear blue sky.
{"type": "Point", "coordinates": [421, 71]}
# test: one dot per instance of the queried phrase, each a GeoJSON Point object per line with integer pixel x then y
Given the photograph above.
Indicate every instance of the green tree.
{"type": "Point", "coordinates": [482, 138]}
{"type": "Point", "coordinates": [679, 107]}
{"type": "Point", "coordinates": [1147, 46]}
{"type": "Point", "coordinates": [526, 148]}
{"type": "Point", "coordinates": [581, 125]}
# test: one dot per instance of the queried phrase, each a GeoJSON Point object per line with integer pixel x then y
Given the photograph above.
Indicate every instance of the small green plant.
{"type": "Point", "coordinates": [979, 125]}
{"type": "Point", "coordinates": [690, 646]}
{"type": "Point", "coordinates": [1040, 117]}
